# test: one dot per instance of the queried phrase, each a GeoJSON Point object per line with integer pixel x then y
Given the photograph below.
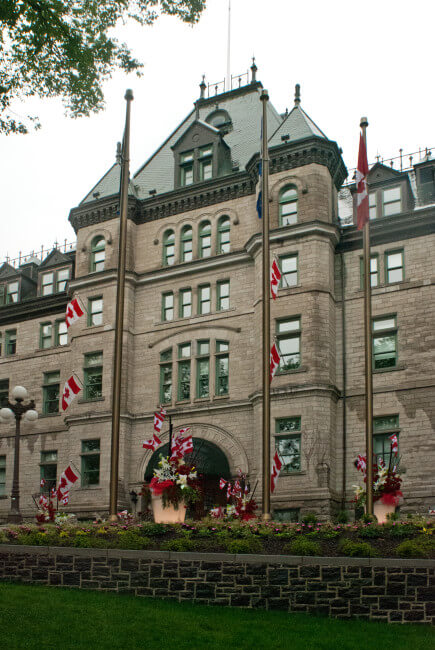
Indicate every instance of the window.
{"type": "Point", "coordinates": [394, 266]}
{"type": "Point", "coordinates": [98, 254]}
{"type": "Point", "coordinates": [384, 342]}
{"type": "Point", "coordinates": [168, 306]}
{"type": "Point", "coordinates": [186, 244]}
{"type": "Point", "coordinates": [288, 443]}
{"type": "Point", "coordinates": [391, 203]}
{"type": "Point", "coordinates": [203, 369]}
{"type": "Point", "coordinates": [289, 343]}
{"type": "Point", "coordinates": [222, 368]}
{"type": "Point", "coordinates": [93, 375]}
{"type": "Point", "coordinates": [374, 271]}
{"type": "Point", "coordinates": [372, 205]}
{"type": "Point", "coordinates": [4, 392]}
{"type": "Point", "coordinates": [62, 277]}
{"type": "Point", "coordinates": [166, 376]}
{"type": "Point", "coordinates": [287, 515]}
{"type": "Point", "coordinates": [205, 239]}
{"type": "Point", "coordinates": [384, 426]}
{"type": "Point", "coordinates": [47, 284]}
{"type": "Point", "coordinates": [45, 335]}
{"type": "Point", "coordinates": [223, 295]}
{"type": "Point", "coordinates": [184, 352]}
{"type": "Point", "coordinates": [95, 311]}
{"type": "Point", "coordinates": [186, 164]}
{"type": "Point", "coordinates": [48, 470]}
{"type": "Point", "coordinates": [90, 462]}
{"type": "Point", "coordinates": [10, 342]}
{"type": "Point", "coordinates": [60, 333]}
{"type": "Point", "coordinates": [223, 235]}
{"type": "Point", "coordinates": [288, 206]}
{"type": "Point", "coordinates": [50, 393]}
{"type": "Point", "coordinates": [204, 299]}
{"type": "Point", "coordinates": [185, 303]}
{"type": "Point", "coordinates": [2, 475]}
{"type": "Point", "coordinates": [12, 292]}
{"type": "Point", "coordinates": [54, 282]}
{"type": "Point", "coordinates": [168, 248]}
{"type": "Point", "coordinates": [288, 265]}
{"type": "Point", "coordinates": [205, 163]}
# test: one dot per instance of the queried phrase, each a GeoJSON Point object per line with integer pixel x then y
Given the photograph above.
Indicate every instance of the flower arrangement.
{"type": "Point", "coordinates": [175, 481]}
{"type": "Point", "coordinates": [241, 504]}
{"type": "Point", "coordinates": [386, 480]}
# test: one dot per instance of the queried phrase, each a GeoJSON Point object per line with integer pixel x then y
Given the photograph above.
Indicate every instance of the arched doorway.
{"type": "Point", "coordinates": [211, 464]}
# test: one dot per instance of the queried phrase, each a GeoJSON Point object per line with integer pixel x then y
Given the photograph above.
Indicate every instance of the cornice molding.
{"type": "Point", "coordinates": [33, 308]}
{"type": "Point", "coordinates": [287, 233]}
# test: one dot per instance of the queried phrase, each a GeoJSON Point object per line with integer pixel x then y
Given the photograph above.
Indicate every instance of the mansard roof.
{"type": "Point", "coordinates": [55, 258]}
{"type": "Point", "coordinates": [7, 271]}
{"type": "Point", "coordinates": [298, 126]}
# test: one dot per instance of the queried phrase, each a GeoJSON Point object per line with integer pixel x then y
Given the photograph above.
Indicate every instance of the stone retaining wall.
{"type": "Point", "coordinates": [390, 590]}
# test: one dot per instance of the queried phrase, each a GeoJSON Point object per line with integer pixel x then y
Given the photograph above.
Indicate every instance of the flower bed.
{"type": "Point", "coordinates": [408, 538]}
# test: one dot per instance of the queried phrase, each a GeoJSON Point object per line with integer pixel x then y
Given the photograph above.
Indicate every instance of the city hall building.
{"type": "Point", "coordinates": [192, 328]}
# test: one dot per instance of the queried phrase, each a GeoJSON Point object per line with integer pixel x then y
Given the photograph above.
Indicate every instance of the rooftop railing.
{"type": "Point", "coordinates": [40, 254]}
{"type": "Point", "coordinates": [401, 163]}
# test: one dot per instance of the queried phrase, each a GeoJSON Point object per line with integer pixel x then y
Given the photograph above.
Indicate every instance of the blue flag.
{"type": "Point", "coordinates": [260, 204]}
{"type": "Point", "coordinates": [260, 171]}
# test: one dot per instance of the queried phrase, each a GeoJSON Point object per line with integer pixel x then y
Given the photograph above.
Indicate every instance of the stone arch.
{"type": "Point", "coordinates": [98, 232]}
{"type": "Point", "coordinates": [290, 179]}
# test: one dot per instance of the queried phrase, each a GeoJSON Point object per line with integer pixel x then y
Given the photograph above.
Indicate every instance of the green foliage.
{"type": "Point", "coordinates": [357, 549]}
{"type": "Point", "coordinates": [129, 539]}
{"type": "Point", "coordinates": [309, 518]}
{"type": "Point", "coordinates": [152, 530]}
{"type": "Point", "coordinates": [393, 516]}
{"type": "Point", "coordinates": [302, 546]}
{"type": "Point", "coordinates": [368, 519]}
{"type": "Point", "coordinates": [372, 531]}
{"type": "Point", "coordinates": [342, 517]}
{"type": "Point", "coordinates": [180, 545]}
{"type": "Point", "coordinates": [67, 49]}
{"type": "Point", "coordinates": [402, 530]}
{"type": "Point", "coordinates": [329, 533]}
{"type": "Point", "coordinates": [237, 546]}
{"type": "Point", "coordinates": [419, 547]}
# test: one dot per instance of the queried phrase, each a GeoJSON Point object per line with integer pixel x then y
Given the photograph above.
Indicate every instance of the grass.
{"type": "Point", "coordinates": [50, 618]}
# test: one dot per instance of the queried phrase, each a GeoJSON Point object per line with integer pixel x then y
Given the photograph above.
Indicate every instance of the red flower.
{"type": "Point", "coordinates": [158, 487]}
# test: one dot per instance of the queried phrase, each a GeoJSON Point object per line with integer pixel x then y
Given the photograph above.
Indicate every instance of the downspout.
{"type": "Point", "coordinates": [343, 355]}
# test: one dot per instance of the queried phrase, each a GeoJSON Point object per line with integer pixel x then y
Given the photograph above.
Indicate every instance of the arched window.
{"type": "Point", "coordinates": [205, 239]}
{"type": "Point", "coordinates": [168, 248]}
{"type": "Point", "coordinates": [98, 254]}
{"type": "Point", "coordinates": [186, 244]}
{"type": "Point", "coordinates": [223, 245]}
{"type": "Point", "coordinates": [288, 206]}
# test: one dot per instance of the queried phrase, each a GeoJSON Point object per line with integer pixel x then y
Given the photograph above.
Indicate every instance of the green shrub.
{"type": "Point", "coordinates": [130, 540]}
{"type": "Point", "coordinates": [418, 547]}
{"type": "Point", "coordinates": [290, 533]}
{"type": "Point", "coordinates": [368, 519]}
{"type": "Point", "coordinates": [393, 516]}
{"type": "Point", "coordinates": [401, 530]}
{"type": "Point", "coordinates": [372, 531]}
{"type": "Point", "coordinates": [237, 546]}
{"type": "Point", "coordinates": [149, 529]}
{"type": "Point", "coordinates": [180, 545]}
{"type": "Point", "coordinates": [330, 534]}
{"type": "Point", "coordinates": [357, 549]}
{"type": "Point", "coordinates": [342, 517]}
{"type": "Point", "coordinates": [302, 546]}
{"type": "Point", "coordinates": [309, 518]}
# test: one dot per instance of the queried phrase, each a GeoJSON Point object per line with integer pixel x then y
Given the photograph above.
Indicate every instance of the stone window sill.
{"type": "Point", "coordinates": [220, 397]}
{"type": "Point", "coordinates": [89, 487]}
{"type": "Point", "coordinates": [95, 399]}
{"type": "Point", "coordinates": [298, 473]}
{"type": "Point", "coordinates": [393, 369]}
{"type": "Point", "coordinates": [292, 372]}
{"type": "Point", "coordinates": [49, 415]}
{"type": "Point", "coordinates": [3, 496]}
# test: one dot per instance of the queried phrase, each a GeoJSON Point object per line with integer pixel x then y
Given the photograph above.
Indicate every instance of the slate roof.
{"type": "Point", "coordinates": [298, 125]}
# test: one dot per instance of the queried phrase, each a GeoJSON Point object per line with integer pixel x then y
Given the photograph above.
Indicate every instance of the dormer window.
{"type": "Point", "coordinates": [205, 163]}
{"type": "Point", "coordinates": [54, 282]}
{"type": "Point", "coordinates": [186, 163]}
{"type": "Point", "coordinates": [12, 292]}
{"type": "Point", "coordinates": [391, 203]}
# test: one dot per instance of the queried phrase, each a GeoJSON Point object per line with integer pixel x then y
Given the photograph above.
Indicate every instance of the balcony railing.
{"type": "Point", "coordinates": [40, 254]}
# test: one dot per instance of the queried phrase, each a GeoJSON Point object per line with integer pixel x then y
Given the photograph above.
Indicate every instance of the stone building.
{"type": "Point", "coordinates": [192, 329]}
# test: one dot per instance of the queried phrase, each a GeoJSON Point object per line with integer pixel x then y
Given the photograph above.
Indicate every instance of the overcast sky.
{"type": "Point", "coordinates": [351, 58]}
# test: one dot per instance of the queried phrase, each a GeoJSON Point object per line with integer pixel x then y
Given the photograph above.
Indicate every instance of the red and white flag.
{"type": "Point", "coordinates": [53, 493]}
{"type": "Point", "coordinates": [222, 483]}
{"type": "Point", "coordinates": [43, 502]}
{"type": "Point", "coordinates": [229, 492]}
{"type": "Point", "coordinates": [362, 197]}
{"type": "Point", "coordinates": [361, 463]}
{"type": "Point", "coordinates": [275, 277]}
{"type": "Point", "coordinates": [74, 311]}
{"type": "Point", "coordinates": [276, 468]}
{"type": "Point", "coordinates": [67, 478]}
{"type": "Point", "coordinates": [65, 499]}
{"type": "Point", "coordinates": [159, 417]}
{"type": "Point", "coordinates": [42, 483]}
{"type": "Point", "coordinates": [153, 443]}
{"type": "Point", "coordinates": [274, 360]}
{"type": "Point", "coordinates": [180, 445]}
{"type": "Point", "coordinates": [70, 390]}
{"type": "Point", "coordinates": [394, 443]}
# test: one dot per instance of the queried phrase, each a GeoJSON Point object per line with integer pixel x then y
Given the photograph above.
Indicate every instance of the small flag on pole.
{"type": "Point", "coordinates": [153, 443]}
{"type": "Point", "coordinates": [361, 463]}
{"type": "Point", "coordinates": [42, 483]}
{"type": "Point", "coordinates": [260, 179]}
{"type": "Point", "coordinates": [362, 197]}
{"type": "Point", "coordinates": [394, 443]}
{"type": "Point", "coordinates": [275, 358]}
{"type": "Point", "coordinates": [276, 468]}
{"type": "Point", "coordinates": [275, 277]}
{"type": "Point", "coordinates": [222, 483]}
{"type": "Point", "coordinates": [159, 417]}
{"type": "Point", "coordinates": [67, 478]}
{"type": "Point", "coordinates": [74, 311]}
{"type": "Point", "coordinates": [70, 390]}
{"type": "Point", "coordinates": [180, 445]}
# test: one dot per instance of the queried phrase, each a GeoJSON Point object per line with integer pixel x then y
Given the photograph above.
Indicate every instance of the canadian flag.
{"type": "Point", "coordinates": [158, 419]}
{"type": "Point", "coordinates": [70, 390]}
{"type": "Point", "coordinates": [275, 277]}
{"type": "Point", "coordinates": [153, 443]}
{"type": "Point", "coordinates": [274, 360]}
{"type": "Point", "coordinates": [65, 499]}
{"type": "Point", "coordinates": [362, 197]}
{"type": "Point", "coordinates": [222, 483]}
{"type": "Point", "coordinates": [42, 483]}
{"type": "Point", "coordinates": [229, 492]}
{"type": "Point", "coordinates": [394, 443]}
{"type": "Point", "coordinates": [237, 488]}
{"type": "Point", "coordinates": [67, 478]}
{"type": "Point", "coordinates": [276, 468]}
{"type": "Point", "coordinates": [180, 445]}
{"type": "Point", "coordinates": [53, 493]}
{"type": "Point", "coordinates": [43, 502]}
{"type": "Point", "coordinates": [73, 312]}
{"type": "Point", "coordinates": [361, 463]}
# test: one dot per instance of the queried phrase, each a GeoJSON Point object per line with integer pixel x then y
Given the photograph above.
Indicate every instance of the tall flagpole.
{"type": "Point", "coordinates": [266, 311]}
{"type": "Point", "coordinates": [119, 325]}
{"type": "Point", "coordinates": [229, 47]}
{"type": "Point", "coordinates": [368, 347]}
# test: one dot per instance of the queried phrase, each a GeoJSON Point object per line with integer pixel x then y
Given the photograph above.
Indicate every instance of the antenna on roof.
{"type": "Point", "coordinates": [297, 94]}
{"type": "Point", "coordinates": [229, 47]}
{"type": "Point", "coordinates": [118, 153]}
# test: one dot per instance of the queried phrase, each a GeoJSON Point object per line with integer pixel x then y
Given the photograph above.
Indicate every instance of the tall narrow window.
{"type": "Point", "coordinates": [10, 342]}
{"type": "Point", "coordinates": [186, 168]}
{"type": "Point", "coordinates": [222, 368]}
{"type": "Point", "coordinates": [98, 254]}
{"type": "Point", "coordinates": [12, 292]}
{"type": "Point", "coordinates": [95, 311]}
{"type": "Point", "coordinates": [50, 393]}
{"type": "Point", "coordinates": [166, 376]}
{"type": "Point", "coordinates": [90, 462]}
{"type": "Point", "coordinates": [2, 476]}
{"type": "Point", "coordinates": [185, 302]}
{"type": "Point", "coordinates": [223, 238]}
{"type": "Point", "coordinates": [203, 369]}
{"type": "Point", "coordinates": [372, 205]}
{"type": "Point", "coordinates": [186, 244]}
{"type": "Point", "coordinates": [384, 426]}
{"type": "Point", "coordinates": [289, 270]}
{"type": "Point", "coordinates": [289, 343]}
{"type": "Point", "coordinates": [384, 342]}
{"type": "Point", "coordinates": [288, 206]}
{"type": "Point", "coordinates": [205, 239]}
{"type": "Point", "coordinates": [288, 443]}
{"type": "Point", "coordinates": [62, 277]}
{"type": "Point", "coordinates": [61, 333]}
{"type": "Point", "coordinates": [374, 271]}
{"type": "Point", "coordinates": [45, 336]}
{"type": "Point", "coordinates": [391, 201]}
{"type": "Point", "coordinates": [168, 306]}
{"type": "Point", "coordinates": [184, 353]}
{"type": "Point", "coordinates": [4, 392]}
{"type": "Point", "coordinates": [394, 266]}
{"type": "Point", "coordinates": [47, 284]}
{"type": "Point", "coordinates": [205, 163]}
{"type": "Point", "coordinates": [204, 299]}
{"type": "Point", "coordinates": [223, 295]}
{"type": "Point", "coordinates": [168, 248]}
{"type": "Point", "coordinates": [93, 375]}
{"type": "Point", "coordinates": [48, 471]}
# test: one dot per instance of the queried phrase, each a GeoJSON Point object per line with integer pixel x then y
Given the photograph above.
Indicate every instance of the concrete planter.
{"type": "Point", "coordinates": [168, 514]}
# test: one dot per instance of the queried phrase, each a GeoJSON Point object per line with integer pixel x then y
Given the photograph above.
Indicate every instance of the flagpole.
{"type": "Point", "coordinates": [266, 312]}
{"type": "Point", "coordinates": [119, 326]}
{"type": "Point", "coordinates": [368, 347]}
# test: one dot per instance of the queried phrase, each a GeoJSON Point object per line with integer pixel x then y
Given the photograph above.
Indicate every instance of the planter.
{"type": "Point", "coordinates": [168, 514]}
{"type": "Point", "coordinates": [381, 510]}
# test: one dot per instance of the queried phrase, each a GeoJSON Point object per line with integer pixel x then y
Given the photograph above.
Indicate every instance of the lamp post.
{"type": "Point", "coordinates": [20, 411]}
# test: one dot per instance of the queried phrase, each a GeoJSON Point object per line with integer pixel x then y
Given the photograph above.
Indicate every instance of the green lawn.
{"type": "Point", "coordinates": [50, 618]}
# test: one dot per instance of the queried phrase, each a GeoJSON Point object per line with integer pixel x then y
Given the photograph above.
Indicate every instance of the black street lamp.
{"type": "Point", "coordinates": [18, 411]}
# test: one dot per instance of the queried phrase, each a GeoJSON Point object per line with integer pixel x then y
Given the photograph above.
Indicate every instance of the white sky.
{"type": "Point", "coordinates": [372, 58]}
